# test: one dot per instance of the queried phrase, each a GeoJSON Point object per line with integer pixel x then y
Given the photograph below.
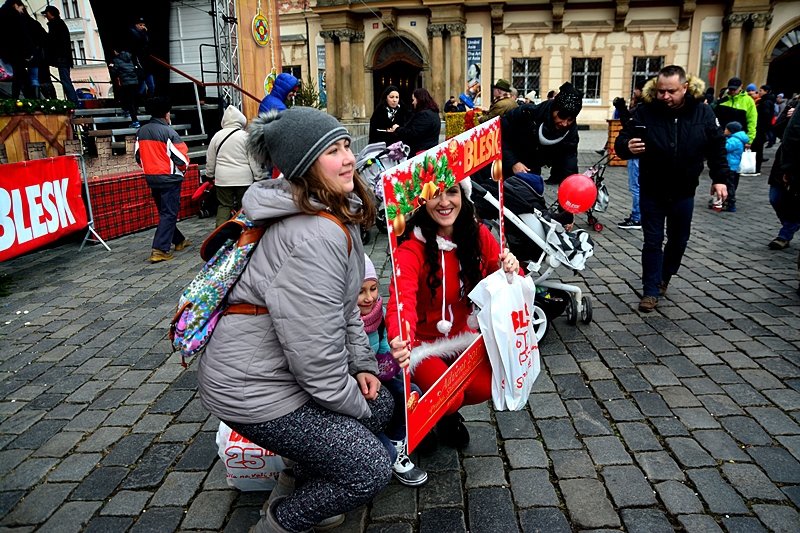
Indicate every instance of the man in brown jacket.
{"type": "Point", "coordinates": [502, 101]}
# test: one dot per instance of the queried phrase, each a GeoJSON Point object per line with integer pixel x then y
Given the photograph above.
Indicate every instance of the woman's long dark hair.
{"type": "Point", "coordinates": [466, 238]}
{"type": "Point", "coordinates": [382, 101]}
{"type": "Point", "coordinates": [424, 101]}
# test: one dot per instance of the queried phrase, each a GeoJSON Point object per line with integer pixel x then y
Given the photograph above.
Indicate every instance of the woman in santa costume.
{"type": "Point", "coordinates": [446, 252]}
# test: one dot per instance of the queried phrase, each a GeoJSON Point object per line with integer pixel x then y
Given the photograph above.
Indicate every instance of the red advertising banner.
{"type": "Point", "coordinates": [405, 188]}
{"type": "Point", "coordinates": [40, 202]}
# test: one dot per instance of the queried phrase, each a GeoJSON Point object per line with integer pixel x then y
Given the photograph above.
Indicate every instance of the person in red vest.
{"type": "Point", "coordinates": [164, 158]}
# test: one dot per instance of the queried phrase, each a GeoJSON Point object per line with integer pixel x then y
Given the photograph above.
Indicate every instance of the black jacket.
{"type": "Point", "coordinates": [787, 162]}
{"type": "Point", "coordinates": [59, 47]}
{"type": "Point", "coordinates": [421, 131]}
{"type": "Point", "coordinates": [766, 111]}
{"type": "Point", "coordinates": [381, 120]}
{"type": "Point", "coordinates": [521, 142]}
{"type": "Point", "coordinates": [123, 69]}
{"type": "Point", "coordinates": [677, 143]}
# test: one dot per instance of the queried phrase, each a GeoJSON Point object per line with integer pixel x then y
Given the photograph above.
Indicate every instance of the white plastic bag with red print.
{"type": "Point", "coordinates": [249, 466]}
{"type": "Point", "coordinates": [505, 322]}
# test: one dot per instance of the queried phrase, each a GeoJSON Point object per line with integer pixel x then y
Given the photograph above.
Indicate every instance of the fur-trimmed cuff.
{"type": "Point", "coordinates": [444, 348]}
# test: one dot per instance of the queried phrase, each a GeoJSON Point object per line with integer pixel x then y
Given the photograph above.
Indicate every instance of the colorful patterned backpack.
{"type": "Point", "coordinates": [227, 251]}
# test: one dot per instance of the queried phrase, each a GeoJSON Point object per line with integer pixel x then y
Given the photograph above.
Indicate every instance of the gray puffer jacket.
{"type": "Point", "coordinates": [312, 342]}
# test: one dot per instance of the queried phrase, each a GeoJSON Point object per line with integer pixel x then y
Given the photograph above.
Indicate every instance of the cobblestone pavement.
{"type": "Point", "coordinates": [684, 419]}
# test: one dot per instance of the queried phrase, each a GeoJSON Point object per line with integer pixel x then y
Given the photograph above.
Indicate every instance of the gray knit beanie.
{"type": "Point", "coordinates": [293, 139]}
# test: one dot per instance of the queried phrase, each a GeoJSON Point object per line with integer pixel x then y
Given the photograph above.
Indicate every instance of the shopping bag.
{"type": "Point", "coordinates": [505, 322]}
{"type": "Point", "coordinates": [748, 164]}
{"type": "Point", "coordinates": [249, 466]}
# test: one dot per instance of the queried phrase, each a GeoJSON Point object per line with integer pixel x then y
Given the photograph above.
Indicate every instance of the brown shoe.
{"type": "Point", "coordinates": [778, 244]}
{"type": "Point", "coordinates": [648, 303]}
{"type": "Point", "coordinates": [156, 256]}
{"type": "Point", "coordinates": [183, 245]}
{"type": "Point", "coordinates": [662, 288]}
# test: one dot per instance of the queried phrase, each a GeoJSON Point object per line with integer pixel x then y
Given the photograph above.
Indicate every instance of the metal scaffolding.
{"type": "Point", "coordinates": [226, 39]}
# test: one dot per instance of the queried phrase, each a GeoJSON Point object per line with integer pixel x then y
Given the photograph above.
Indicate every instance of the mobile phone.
{"type": "Point", "coordinates": [640, 132]}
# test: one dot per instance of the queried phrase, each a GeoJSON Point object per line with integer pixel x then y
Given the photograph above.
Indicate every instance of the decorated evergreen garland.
{"type": "Point", "coordinates": [428, 179]}
{"type": "Point", "coordinates": [9, 106]}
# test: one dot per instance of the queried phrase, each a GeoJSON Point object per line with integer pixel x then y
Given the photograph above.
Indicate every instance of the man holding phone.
{"type": "Point", "coordinates": [671, 133]}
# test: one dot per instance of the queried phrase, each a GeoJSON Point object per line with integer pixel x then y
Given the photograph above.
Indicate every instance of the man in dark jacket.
{"type": "Point", "coordinates": [545, 134]}
{"type": "Point", "coordinates": [139, 47]}
{"type": "Point", "coordinates": [765, 107]}
{"type": "Point", "coordinates": [678, 133]}
{"type": "Point", "coordinates": [58, 50]}
{"type": "Point", "coordinates": [164, 158]}
{"type": "Point", "coordinates": [784, 184]}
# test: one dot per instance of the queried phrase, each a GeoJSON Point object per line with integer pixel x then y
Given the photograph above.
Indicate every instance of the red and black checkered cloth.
{"type": "Point", "coordinates": [122, 203]}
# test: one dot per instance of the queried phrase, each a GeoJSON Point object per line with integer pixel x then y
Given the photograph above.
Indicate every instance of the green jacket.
{"type": "Point", "coordinates": [743, 102]}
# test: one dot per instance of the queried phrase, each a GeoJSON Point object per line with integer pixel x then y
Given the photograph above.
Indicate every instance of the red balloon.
{"type": "Point", "coordinates": [577, 193]}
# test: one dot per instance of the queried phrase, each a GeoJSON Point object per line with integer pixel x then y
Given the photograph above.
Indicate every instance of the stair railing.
{"type": "Point", "coordinates": [197, 83]}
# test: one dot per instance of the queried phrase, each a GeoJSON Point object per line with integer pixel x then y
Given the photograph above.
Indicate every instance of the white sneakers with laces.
{"type": "Point", "coordinates": [404, 469]}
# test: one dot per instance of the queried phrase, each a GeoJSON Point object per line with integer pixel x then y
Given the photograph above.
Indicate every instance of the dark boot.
{"type": "Point", "coordinates": [452, 431]}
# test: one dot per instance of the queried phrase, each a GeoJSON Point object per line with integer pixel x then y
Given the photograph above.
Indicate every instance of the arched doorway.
{"type": "Point", "coordinates": [398, 62]}
{"type": "Point", "coordinates": [784, 65]}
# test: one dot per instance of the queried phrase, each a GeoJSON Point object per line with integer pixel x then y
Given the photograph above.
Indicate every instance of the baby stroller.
{"type": "Point", "coordinates": [372, 161]}
{"type": "Point", "coordinates": [536, 237]}
{"type": "Point", "coordinates": [596, 172]}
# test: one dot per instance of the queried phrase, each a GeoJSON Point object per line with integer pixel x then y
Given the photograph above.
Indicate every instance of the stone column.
{"type": "Point", "coordinates": [346, 70]}
{"type": "Point", "coordinates": [754, 67]}
{"type": "Point", "coordinates": [733, 45]}
{"type": "Point", "coordinates": [437, 61]}
{"type": "Point", "coordinates": [359, 101]}
{"type": "Point", "coordinates": [330, 72]}
{"type": "Point", "coordinates": [457, 64]}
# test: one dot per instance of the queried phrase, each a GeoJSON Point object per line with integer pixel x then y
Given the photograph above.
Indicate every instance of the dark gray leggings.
{"type": "Point", "coordinates": [340, 464]}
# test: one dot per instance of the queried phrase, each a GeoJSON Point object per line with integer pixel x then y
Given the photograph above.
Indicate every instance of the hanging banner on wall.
{"type": "Point", "coordinates": [474, 58]}
{"type": "Point", "coordinates": [323, 93]}
{"type": "Point", "coordinates": [40, 202]}
{"type": "Point", "coordinates": [709, 55]}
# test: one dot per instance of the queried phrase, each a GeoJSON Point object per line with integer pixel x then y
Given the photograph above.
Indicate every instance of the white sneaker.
{"type": "Point", "coordinates": [404, 470]}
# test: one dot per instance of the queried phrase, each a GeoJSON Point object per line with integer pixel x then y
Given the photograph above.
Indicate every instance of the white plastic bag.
{"type": "Point", "coordinates": [250, 467]}
{"type": "Point", "coordinates": [505, 322]}
{"type": "Point", "coordinates": [748, 164]}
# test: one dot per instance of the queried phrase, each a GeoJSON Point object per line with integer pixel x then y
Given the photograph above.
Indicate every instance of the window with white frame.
{"type": "Point", "coordinates": [78, 52]}
{"type": "Point", "coordinates": [586, 77]}
{"type": "Point", "coordinates": [645, 68]}
{"type": "Point", "coordinates": [65, 9]}
{"type": "Point", "coordinates": [526, 74]}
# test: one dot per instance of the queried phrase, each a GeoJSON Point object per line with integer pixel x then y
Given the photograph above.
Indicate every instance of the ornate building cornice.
{"type": "Point", "coordinates": [620, 13]}
{"type": "Point", "coordinates": [558, 15]}
{"type": "Point", "coordinates": [736, 20]}
{"type": "Point", "coordinates": [761, 20]}
{"type": "Point", "coordinates": [497, 18]}
{"type": "Point", "coordinates": [436, 30]}
{"type": "Point", "coordinates": [456, 28]}
{"type": "Point", "coordinates": [688, 8]}
{"type": "Point", "coordinates": [328, 35]}
{"type": "Point", "coordinates": [345, 34]}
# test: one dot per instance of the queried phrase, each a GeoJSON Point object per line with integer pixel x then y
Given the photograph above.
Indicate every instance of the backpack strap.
{"type": "Point", "coordinates": [325, 214]}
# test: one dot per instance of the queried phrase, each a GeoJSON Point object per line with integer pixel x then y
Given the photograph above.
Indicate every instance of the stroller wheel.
{"type": "Point", "coordinates": [598, 226]}
{"type": "Point", "coordinates": [586, 310]}
{"type": "Point", "coordinates": [572, 311]}
{"type": "Point", "coordinates": [540, 323]}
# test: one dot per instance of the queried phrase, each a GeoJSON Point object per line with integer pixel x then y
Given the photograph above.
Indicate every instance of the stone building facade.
{"type": "Point", "coordinates": [354, 48]}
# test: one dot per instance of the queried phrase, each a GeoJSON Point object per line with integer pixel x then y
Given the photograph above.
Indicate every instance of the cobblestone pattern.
{"type": "Point", "coordinates": [687, 418]}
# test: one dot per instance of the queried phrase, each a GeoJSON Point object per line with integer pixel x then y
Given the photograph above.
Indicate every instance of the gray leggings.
{"type": "Point", "coordinates": [340, 464]}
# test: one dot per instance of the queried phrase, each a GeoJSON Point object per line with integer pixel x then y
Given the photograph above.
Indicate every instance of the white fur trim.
{"type": "Point", "coordinates": [466, 185]}
{"type": "Point", "coordinates": [444, 348]}
{"type": "Point", "coordinates": [444, 244]}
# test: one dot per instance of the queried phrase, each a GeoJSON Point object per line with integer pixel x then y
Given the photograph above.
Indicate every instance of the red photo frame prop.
{"type": "Point", "coordinates": [403, 186]}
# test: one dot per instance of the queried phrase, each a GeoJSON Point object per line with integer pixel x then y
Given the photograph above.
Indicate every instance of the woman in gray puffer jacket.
{"type": "Point", "coordinates": [292, 369]}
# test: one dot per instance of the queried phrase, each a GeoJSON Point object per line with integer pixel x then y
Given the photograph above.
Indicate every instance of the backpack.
{"type": "Point", "coordinates": [226, 251]}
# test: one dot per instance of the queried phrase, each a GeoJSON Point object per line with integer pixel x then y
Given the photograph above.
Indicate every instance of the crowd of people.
{"type": "Point", "coordinates": [313, 371]}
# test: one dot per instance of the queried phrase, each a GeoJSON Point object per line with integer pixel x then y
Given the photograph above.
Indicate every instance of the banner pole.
{"type": "Point", "coordinates": [91, 230]}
